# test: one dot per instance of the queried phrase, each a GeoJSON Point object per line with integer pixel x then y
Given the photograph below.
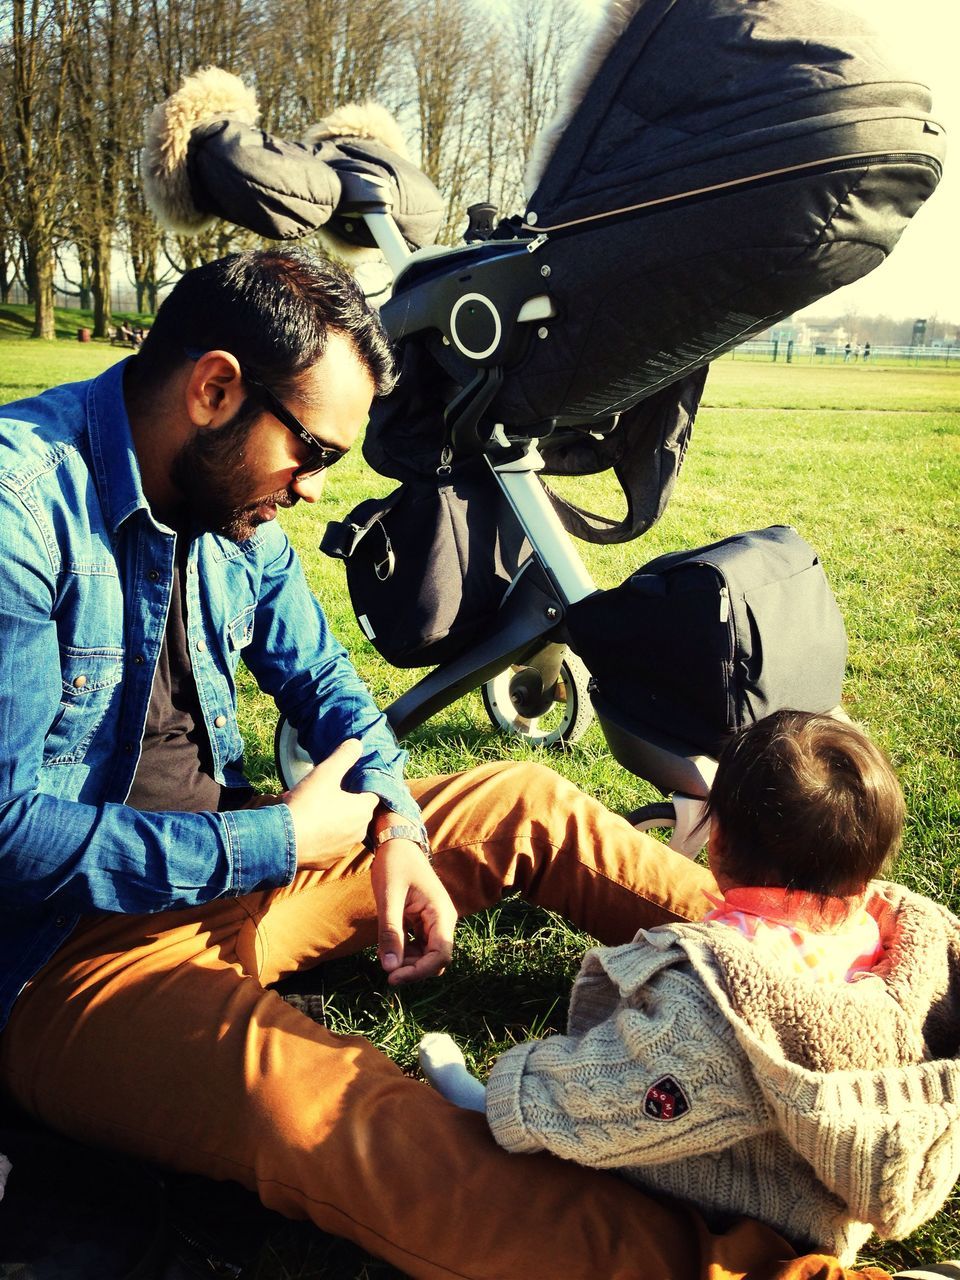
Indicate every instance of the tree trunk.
{"type": "Point", "coordinates": [7, 271]}
{"type": "Point", "coordinates": [101, 250]}
{"type": "Point", "coordinates": [43, 318]}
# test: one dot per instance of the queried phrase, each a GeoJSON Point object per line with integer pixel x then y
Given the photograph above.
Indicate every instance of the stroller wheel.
{"type": "Point", "coordinates": [516, 703]}
{"type": "Point", "coordinates": [291, 760]}
{"type": "Point", "coordinates": [648, 816]}
{"type": "Point", "coordinates": [687, 815]}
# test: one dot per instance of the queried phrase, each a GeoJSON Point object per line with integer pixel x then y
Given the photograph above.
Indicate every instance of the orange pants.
{"type": "Point", "coordinates": [157, 1035]}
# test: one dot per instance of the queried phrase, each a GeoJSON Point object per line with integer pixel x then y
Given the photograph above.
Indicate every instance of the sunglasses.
{"type": "Point", "coordinates": [319, 456]}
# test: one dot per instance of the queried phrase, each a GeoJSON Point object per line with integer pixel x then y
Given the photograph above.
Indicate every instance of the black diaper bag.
{"type": "Point", "coordinates": [428, 566]}
{"type": "Point", "coordinates": [696, 644]}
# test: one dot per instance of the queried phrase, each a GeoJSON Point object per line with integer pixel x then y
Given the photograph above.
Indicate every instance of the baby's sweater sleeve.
{"type": "Point", "coordinates": [660, 1078]}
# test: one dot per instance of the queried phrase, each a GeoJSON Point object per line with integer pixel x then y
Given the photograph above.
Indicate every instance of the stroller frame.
{"type": "Point", "coordinates": [528, 632]}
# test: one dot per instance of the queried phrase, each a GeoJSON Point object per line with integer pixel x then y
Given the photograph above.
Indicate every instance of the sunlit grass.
{"type": "Point", "coordinates": [866, 463]}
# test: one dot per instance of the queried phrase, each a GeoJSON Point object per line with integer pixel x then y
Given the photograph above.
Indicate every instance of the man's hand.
{"type": "Point", "coordinates": [411, 900]}
{"type": "Point", "coordinates": [327, 820]}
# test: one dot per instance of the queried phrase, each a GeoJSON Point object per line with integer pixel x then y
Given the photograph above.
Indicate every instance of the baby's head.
{"type": "Point", "coordinates": [804, 802]}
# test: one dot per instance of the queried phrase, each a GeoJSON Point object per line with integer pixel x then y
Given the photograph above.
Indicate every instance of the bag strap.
{"type": "Point", "coordinates": [342, 537]}
{"type": "Point", "coordinates": [645, 451]}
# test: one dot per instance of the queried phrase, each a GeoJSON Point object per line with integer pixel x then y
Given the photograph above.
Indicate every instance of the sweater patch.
{"type": "Point", "coordinates": [665, 1100]}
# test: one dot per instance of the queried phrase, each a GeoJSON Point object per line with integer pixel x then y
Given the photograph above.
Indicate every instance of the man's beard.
{"type": "Point", "coordinates": [211, 472]}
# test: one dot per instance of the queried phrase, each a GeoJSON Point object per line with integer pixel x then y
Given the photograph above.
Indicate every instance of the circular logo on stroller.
{"type": "Point", "coordinates": [475, 326]}
{"type": "Point", "coordinates": [665, 1100]}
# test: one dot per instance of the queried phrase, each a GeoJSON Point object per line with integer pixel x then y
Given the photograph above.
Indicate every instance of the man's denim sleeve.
{"type": "Point", "coordinates": [60, 835]}
{"type": "Point", "coordinates": [297, 660]}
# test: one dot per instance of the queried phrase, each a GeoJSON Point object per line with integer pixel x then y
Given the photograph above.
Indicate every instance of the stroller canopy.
{"type": "Point", "coordinates": [717, 165]}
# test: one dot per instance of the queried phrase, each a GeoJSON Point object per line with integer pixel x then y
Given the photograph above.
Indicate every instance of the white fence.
{"type": "Point", "coordinates": [787, 351]}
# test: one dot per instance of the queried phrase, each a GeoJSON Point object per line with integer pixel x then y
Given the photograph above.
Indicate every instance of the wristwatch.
{"type": "Point", "coordinates": [404, 831]}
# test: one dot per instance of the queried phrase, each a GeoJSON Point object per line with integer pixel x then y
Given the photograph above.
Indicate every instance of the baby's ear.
{"type": "Point", "coordinates": [717, 852]}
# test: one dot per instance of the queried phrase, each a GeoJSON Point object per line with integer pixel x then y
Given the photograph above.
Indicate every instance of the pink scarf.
{"type": "Point", "coordinates": [831, 940]}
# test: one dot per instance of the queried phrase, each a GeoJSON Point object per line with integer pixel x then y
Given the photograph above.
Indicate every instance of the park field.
{"type": "Point", "coordinates": [865, 462]}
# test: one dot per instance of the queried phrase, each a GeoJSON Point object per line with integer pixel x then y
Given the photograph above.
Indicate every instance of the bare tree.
{"type": "Point", "coordinates": [543, 40]}
{"type": "Point", "coordinates": [183, 35]}
{"type": "Point", "coordinates": [142, 239]}
{"type": "Point", "coordinates": [499, 179]}
{"type": "Point", "coordinates": [310, 56]}
{"type": "Point", "coordinates": [483, 91]}
{"type": "Point", "coordinates": [40, 42]}
{"type": "Point", "coordinates": [9, 191]}
{"type": "Point", "coordinates": [107, 102]}
{"type": "Point", "coordinates": [446, 48]}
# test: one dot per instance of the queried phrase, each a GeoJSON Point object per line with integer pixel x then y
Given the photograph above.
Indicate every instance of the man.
{"type": "Point", "coordinates": [149, 898]}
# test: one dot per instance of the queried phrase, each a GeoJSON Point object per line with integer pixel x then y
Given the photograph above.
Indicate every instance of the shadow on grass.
{"type": "Point", "coordinates": [14, 322]}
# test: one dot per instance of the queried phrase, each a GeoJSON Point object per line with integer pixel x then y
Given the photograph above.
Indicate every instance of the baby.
{"type": "Point", "coordinates": [793, 1056]}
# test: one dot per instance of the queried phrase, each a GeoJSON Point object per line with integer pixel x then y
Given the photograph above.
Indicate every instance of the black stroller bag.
{"type": "Point", "coordinates": [696, 644]}
{"type": "Point", "coordinates": [428, 566]}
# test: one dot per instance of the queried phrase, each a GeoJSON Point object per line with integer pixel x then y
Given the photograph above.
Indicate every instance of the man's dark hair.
{"type": "Point", "coordinates": [273, 310]}
{"type": "Point", "coordinates": [806, 802]}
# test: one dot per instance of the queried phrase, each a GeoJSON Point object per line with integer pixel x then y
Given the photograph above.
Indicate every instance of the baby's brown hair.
{"type": "Point", "coordinates": [808, 802]}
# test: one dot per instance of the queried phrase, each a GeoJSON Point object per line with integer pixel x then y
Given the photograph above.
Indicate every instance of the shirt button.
{"type": "Point", "coordinates": [80, 682]}
{"type": "Point", "coordinates": [153, 575]}
{"type": "Point", "coordinates": [128, 748]}
{"type": "Point", "coordinates": [201, 646]}
{"type": "Point", "coordinates": [139, 660]}
{"type": "Point", "coordinates": [220, 722]}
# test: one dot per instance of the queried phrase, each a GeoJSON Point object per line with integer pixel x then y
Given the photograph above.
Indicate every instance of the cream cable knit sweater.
{"type": "Point", "coordinates": [697, 1070]}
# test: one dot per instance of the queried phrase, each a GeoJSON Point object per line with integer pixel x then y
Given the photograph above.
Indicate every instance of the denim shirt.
{"type": "Point", "coordinates": [85, 583]}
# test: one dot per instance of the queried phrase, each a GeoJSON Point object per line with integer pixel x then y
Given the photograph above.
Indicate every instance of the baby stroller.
{"type": "Point", "coordinates": [717, 165]}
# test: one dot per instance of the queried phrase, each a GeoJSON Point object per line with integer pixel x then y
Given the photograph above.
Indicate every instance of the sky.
{"type": "Point", "coordinates": [921, 278]}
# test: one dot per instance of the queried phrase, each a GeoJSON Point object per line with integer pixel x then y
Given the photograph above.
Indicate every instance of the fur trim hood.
{"type": "Point", "coordinates": [208, 94]}
{"type": "Point", "coordinates": [205, 158]}
{"type": "Point", "coordinates": [360, 120]}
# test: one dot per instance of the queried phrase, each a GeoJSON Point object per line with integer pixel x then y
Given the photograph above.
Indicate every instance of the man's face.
{"type": "Point", "coordinates": [235, 477]}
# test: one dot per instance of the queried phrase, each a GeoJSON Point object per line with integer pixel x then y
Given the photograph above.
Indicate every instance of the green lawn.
{"type": "Point", "coordinates": [865, 462]}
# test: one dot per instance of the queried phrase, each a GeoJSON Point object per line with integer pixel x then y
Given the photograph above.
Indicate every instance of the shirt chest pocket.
{"type": "Point", "coordinates": [90, 681]}
{"type": "Point", "coordinates": [240, 633]}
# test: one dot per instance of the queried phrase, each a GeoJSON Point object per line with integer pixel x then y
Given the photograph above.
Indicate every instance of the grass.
{"type": "Point", "coordinates": [865, 462]}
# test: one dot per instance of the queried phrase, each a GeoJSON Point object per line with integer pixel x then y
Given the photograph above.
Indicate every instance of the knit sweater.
{"type": "Point", "coordinates": [698, 1069]}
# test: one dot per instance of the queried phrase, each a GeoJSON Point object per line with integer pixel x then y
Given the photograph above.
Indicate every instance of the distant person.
{"type": "Point", "coordinates": [846, 352]}
{"type": "Point", "coordinates": [866, 352]}
{"type": "Point", "coordinates": [793, 1056]}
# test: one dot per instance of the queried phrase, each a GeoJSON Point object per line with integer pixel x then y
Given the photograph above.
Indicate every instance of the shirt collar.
{"type": "Point", "coordinates": [114, 459]}
{"type": "Point", "coordinates": [788, 906]}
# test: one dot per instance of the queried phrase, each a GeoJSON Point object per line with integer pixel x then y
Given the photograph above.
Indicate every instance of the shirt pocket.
{"type": "Point", "coordinates": [240, 633]}
{"type": "Point", "coordinates": [90, 681]}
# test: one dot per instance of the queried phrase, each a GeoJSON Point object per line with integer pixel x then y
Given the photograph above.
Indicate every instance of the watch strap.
{"type": "Point", "coordinates": [403, 831]}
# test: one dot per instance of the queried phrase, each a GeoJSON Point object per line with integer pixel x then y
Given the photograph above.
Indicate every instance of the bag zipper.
{"type": "Point", "coordinates": [725, 617]}
{"type": "Point", "coordinates": [832, 165]}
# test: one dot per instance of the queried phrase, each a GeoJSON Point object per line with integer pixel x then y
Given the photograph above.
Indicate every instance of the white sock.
{"type": "Point", "coordinates": [444, 1066]}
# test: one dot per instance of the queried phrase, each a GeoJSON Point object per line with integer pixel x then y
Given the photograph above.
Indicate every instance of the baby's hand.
{"type": "Point", "coordinates": [444, 1065]}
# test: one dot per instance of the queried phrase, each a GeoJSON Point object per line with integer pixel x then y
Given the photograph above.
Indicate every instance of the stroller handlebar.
{"type": "Point", "coordinates": [205, 158]}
